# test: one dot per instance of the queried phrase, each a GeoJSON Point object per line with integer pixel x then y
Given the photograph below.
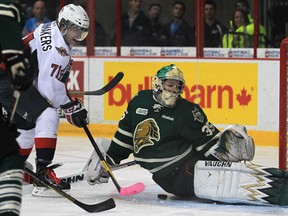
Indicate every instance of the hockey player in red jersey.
{"type": "Point", "coordinates": [37, 117]}
{"type": "Point", "coordinates": [185, 153]}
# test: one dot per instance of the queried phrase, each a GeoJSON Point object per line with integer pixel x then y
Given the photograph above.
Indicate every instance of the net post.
{"type": "Point", "coordinates": [283, 104]}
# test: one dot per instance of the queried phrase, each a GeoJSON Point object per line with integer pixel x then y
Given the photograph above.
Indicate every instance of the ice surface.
{"type": "Point", "coordinates": [74, 152]}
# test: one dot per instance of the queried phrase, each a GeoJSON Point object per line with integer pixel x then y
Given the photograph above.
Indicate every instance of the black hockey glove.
{"type": "Point", "coordinates": [75, 113]}
{"type": "Point", "coordinates": [11, 127]}
{"type": "Point", "coordinates": [19, 70]}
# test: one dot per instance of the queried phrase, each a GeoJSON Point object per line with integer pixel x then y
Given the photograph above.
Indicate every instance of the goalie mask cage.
{"type": "Point", "coordinates": [283, 102]}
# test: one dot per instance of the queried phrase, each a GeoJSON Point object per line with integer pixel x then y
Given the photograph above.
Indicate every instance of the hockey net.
{"type": "Point", "coordinates": [283, 106]}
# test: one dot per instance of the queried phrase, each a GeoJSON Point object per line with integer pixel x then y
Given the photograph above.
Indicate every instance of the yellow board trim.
{"type": "Point", "coordinates": [261, 138]}
{"type": "Point", "coordinates": [97, 130]}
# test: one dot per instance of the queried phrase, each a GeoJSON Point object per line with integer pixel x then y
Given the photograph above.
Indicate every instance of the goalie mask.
{"type": "Point", "coordinates": [168, 85]}
{"type": "Point", "coordinates": [75, 18]}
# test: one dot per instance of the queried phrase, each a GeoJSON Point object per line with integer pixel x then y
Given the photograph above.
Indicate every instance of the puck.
{"type": "Point", "coordinates": [162, 196]}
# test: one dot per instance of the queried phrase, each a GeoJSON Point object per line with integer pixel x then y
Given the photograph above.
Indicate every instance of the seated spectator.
{"type": "Point", "coordinates": [26, 6]}
{"type": "Point", "coordinates": [241, 34]}
{"type": "Point", "coordinates": [177, 32]}
{"type": "Point", "coordinates": [136, 26]}
{"type": "Point", "coordinates": [244, 5]}
{"type": "Point", "coordinates": [237, 37]}
{"type": "Point", "coordinates": [214, 30]}
{"type": "Point", "coordinates": [154, 13]}
{"type": "Point", "coordinates": [39, 12]}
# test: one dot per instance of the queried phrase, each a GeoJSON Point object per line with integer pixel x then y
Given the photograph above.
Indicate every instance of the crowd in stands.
{"type": "Point", "coordinates": [39, 16]}
{"type": "Point", "coordinates": [144, 28]}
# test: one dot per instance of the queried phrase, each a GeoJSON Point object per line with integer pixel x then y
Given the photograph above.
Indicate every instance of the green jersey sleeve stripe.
{"type": "Point", "coordinates": [122, 144]}
{"type": "Point", "coordinates": [128, 134]}
{"type": "Point", "coordinates": [12, 51]}
{"type": "Point", "coordinates": [10, 11]}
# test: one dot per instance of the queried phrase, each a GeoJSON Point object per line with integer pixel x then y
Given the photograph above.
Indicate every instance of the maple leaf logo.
{"type": "Point", "coordinates": [244, 98]}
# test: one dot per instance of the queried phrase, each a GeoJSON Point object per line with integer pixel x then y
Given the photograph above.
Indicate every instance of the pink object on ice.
{"type": "Point", "coordinates": [132, 190]}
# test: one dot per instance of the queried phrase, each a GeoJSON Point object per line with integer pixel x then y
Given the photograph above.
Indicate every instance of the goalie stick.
{"type": "Point", "coordinates": [77, 177]}
{"type": "Point", "coordinates": [98, 207]}
{"type": "Point", "coordinates": [130, 190]}
{"type": "Point", "coordinates": [104, 89]}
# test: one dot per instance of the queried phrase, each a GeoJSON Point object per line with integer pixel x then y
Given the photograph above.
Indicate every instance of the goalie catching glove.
{"type": "Point", "coordinates": [233, 145]}
{"type": "Point", "coordinates": [75, 113]}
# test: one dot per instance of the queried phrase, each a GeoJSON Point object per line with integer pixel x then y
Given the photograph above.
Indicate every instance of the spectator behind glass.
{"type": "Point", "coordinates": [39, 12]}
{"type": "Point", "coordinates": [26, 6]}
{"type": "Point", "coordinates": [238, 36]}
{"type": "Point", "coordinates": [154, 13]}
{"type": "Point", "coordinates": [177, 32]}
{"type": "Point", "coordinates": [244, 5]}
{"type": "Point", "coordinates": [136, 26]}
{"type": "Point", "coordinates": [214, 30]}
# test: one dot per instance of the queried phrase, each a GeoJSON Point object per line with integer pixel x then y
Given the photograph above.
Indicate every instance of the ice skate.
{"type": "Point", "coordinates": [47, 175]}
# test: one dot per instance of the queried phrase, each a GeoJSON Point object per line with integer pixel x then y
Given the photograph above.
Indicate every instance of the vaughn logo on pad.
{"type": "Point", "coordinates": [218, 164]}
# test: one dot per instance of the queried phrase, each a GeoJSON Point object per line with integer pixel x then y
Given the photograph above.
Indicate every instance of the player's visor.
{"type": "Point", "coordinates": [80, 32]}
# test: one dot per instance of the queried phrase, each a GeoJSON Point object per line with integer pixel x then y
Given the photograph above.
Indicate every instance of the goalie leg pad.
{"type": "Point", "coordinates": [231, 182]}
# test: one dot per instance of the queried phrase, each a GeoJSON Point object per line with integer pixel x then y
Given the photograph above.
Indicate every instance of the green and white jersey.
{"type": "Point", "coordinates": [160, 138]}
{"type": "Point", "coordinates": [11, 23]}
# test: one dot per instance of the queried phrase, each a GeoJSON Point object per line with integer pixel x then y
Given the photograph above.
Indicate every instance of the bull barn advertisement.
{"type": "Point", "coordinates": [225, 98]}
{"type": "Point", "coordinates": [231, 91]}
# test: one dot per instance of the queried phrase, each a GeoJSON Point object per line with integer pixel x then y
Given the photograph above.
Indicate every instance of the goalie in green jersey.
{"type": "Point", "coordinates": [185, 153]}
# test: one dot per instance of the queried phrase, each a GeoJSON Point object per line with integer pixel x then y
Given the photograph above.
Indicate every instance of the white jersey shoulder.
{"type": "Point", "coordinates": [53, 57]}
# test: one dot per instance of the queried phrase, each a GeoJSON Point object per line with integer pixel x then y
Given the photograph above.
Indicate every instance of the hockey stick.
{"type": "Point", "coordinates": [131, 190]}
{"type": "Point", "coordinates": [98, 207]}
{"type": "Point", "coordinates": [77, 177]}
{"type": "Point", "coordinates": [121, 166]}
{"type": "Point", "coordinates": [81, 176]}
{"type": "Point", "coordinates": [104, 89]}
{"type": "Point", "coordinates": [16, 96]}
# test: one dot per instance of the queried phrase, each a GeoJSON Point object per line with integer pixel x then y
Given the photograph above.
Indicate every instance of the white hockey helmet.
{"type": "Point", "coordinates": [163, 96]}
{"type": "Point", "coordinates": [74, 15]}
